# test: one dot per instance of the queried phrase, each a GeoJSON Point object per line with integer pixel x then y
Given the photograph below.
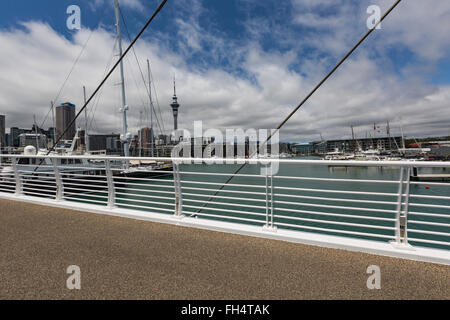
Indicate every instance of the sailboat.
{"type": "Point", "coordinates": [136, 169]}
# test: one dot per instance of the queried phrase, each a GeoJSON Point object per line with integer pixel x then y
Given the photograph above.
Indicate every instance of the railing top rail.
{"type": "Point", "coordinates": [264, 161]}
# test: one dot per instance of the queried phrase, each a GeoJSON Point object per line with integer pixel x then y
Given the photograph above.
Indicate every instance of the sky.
{"type": "Point", "coordinates": [238, 64]}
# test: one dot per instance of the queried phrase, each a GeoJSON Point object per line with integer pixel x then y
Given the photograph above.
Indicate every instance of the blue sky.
{"type": "Point", "coordinates": [248, 57]}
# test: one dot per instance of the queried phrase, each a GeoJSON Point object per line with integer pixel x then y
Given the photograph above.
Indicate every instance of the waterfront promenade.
{"type": "Point", "coordinates": [128, 259]}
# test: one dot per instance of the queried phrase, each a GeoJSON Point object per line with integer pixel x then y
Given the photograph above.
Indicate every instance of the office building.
{"type": "Point", "coordinates": [2, 131]}
{"type": "Point", "coordinates": [65, 114]}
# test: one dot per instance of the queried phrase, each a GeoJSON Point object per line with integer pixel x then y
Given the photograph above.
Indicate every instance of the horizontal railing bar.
{"type": "Point", "coordinates": [427, 214]}
{"type": "Point", "coordinates": [426, 205]}
{"type": "Point", "coordinates": [429, 197]}
{"type": "Point", "coordinates": [147, 201]}
{"type": "Point", "coordinates": [4, 178]}
{"type": "Point", "coordinates": [140, 171]}
{"type": "Point", "coordinates": [142, 207]}
{"type": "Point", "coordinates": [445, 234]}
{"type": "Point", "coordinates": [47, 184]}
{"type": "Point", "coordinates": [334, 207]}
{"type": "Point", "coordinates": [225, 217]}
{"type": "Point", "coordinates": [225, 203]}
{"type": "Point", "coordinates": [77, 195]}
{"type": "Point", "coordinates": [222, 174]}
{"type": "Point", "coordinates": [48, 194]}
{"type": "Point", "coordinates": [34, 165]}
{"type": "Point", "coordinates": [25, 173]}
{"type": "Point", "coordinates": [335, 199]}
{"type": "Point", "coordinates": [439, 224]}
{"type": "Point", "coordinates": [140, 179]}
{"type": "Point", "coordinates": [144, 190]}
{"type": "Point", "coordinates": [64, 174]}
{"type": "Point", "coordinates": [143, 195]}
{"type": "Point", "coordinates": [227, 191]}
{"type": "Point", "coordinates": [68, 181]}
{"type": "Point", "coordinates": [93, 168]}
{"type": "Point", "coordinates": [31, 188]}
{"type": "Point", "coordinates": [88, 200]}
{"type": "Point", "coordinates": [147, 179]}
{"type": "Point", "coordinates": [334, 222]}
{"type": "Point", "coordinates": [221, 183]}
{"type": "Point", "coordinates": [221, 197]}
{"type": "Point", "coordinates": [147, 185]}
{"type": "Point", "coordinates": [227, 210]}
{"type": "Point", "coordinates": [441, 184]}
{"type": "Point", "coordinates": [336, 180]}
{"type": "Point", "coordinates": [338, 191]}
{"type": "Point", "coordinates": [429, 241]}
{"type": "Point", "coordinates": [84, 190]}
{"type": "Point", "coordinates": [335, 230]}
{"type": "Point", "coordinates": [335, 214]}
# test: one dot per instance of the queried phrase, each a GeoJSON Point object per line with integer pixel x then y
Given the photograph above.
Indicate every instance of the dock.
{"type": "Point", "coordinates": [129, 259]}
{"type": "Point", "coordinates": [431, 177]}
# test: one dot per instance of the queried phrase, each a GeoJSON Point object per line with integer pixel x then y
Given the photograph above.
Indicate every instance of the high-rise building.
{"type": "Point", "coordinates": [2, 132]}
{"type": "Point", "coordinates": [175, 107]}
{"type": "Point", "coordinates": [145, 138]}
{"type": "Point", "coordinates": [14, 136]}
{"type": "Point", "coordinates": [65, 114]}
{"type": "Point", "coordinates": [39, 141]}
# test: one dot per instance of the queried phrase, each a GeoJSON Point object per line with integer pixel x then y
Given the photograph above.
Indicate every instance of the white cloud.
{"type": "Point", "coordinates": [132, 4]}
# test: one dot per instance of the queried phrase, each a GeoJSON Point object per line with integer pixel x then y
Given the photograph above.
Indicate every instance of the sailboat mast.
{"type": "Point", "coordinates": [36, 132]}
{"type": "Point", "coordinates": [86, 137]}
{"type": "Point", "coordinates": [53, 120]}
{"type": "Point", "coordinates": [124, 108]}
{"type": "Point", "coordinates": [151, 108]}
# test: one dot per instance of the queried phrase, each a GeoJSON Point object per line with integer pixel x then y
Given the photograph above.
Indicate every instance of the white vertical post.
{"type": "Point", "coordinates": [271, 200]}
{"type": "Point", "coordinates": [267, 202]}
{"type": "Point", "coordinates": [406, 208]}
{"type": "Point", "coordinates": [110, 181]}
{"type": "Point", "coordinates": [178, 191]}
{"type": "Point", "coordinates": [59, 181]}
{"type": "Point", "coordinates": [399, 208]}
{"type": "Point", "coordinates": [17, 178]}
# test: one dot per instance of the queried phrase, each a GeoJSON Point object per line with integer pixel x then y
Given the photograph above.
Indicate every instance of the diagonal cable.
{"type": "Point", "coordinates": [303, 101]}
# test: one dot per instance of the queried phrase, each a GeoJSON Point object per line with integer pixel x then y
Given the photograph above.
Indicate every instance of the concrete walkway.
{"type": "Point", "coordinates": [128, 259]}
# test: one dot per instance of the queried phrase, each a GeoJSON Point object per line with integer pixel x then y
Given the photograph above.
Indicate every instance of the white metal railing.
{"type": "Point", "coordinates": [388, 208]}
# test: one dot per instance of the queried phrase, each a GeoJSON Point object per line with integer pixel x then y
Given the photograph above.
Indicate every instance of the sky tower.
{"type": "Point", "coordinates": [175, 107]}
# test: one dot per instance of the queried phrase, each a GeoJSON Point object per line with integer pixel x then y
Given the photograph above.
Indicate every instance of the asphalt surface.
{"type": "Point", "coordinates": [127, 259]}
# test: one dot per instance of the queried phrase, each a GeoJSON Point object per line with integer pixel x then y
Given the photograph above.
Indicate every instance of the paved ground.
{"type": "Point", "coordinates": [128, 259]}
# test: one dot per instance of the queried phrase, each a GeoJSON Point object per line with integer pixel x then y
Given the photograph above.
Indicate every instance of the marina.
{"type": "Point", "coordinates": [237, 198]}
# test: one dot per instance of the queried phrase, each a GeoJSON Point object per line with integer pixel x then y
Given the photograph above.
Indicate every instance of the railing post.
{"type": "Point", "coordinates": [406, 207]}
{"type": "Point", "coordinates": [110, 181]}
{"type": "Point", "coordinates": [178, 191]}
{"type": "Point", "coordinates": [267, 202]}
{"type": "Point", "coordinates": [399, 208]}
{"type": "Point", "coordinates": [272, 202]}
{"type": "Point", "coordinates": [17, 178]}
{"type": "Point", "coordinates": [269, 226]}
{"type": "Point", "coordinates": [401, 221]}
{"type": "Point", "coordinates": [59, 181]}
